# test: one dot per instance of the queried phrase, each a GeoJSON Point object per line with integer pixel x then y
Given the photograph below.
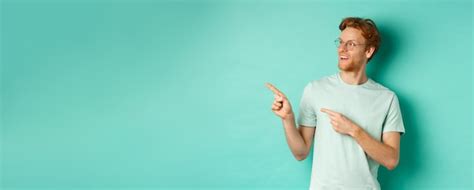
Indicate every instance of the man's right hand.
{"type": "Point", "coordinates": [281, 106]}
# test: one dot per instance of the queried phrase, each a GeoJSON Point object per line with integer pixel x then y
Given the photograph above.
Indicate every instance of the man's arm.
{"type": "Point", "coordinates": [299, 139]}
{"type": "Point", "coordinates": [385, 152]}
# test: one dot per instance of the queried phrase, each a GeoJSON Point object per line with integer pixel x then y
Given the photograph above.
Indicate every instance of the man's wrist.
{"type": "Point", "coordinates": [290, 117]}
{"type": "Point", "coordinates": [356, 130]}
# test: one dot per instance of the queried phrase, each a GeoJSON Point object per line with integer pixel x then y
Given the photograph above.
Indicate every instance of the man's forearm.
{"type": "Point", "coordinates": [294, 138]}
{"type": "Point", "coordinates": [380, 152]}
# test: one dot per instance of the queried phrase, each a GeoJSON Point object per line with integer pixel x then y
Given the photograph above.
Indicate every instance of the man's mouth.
{"type": "Point", "coordinates": [343, 57]}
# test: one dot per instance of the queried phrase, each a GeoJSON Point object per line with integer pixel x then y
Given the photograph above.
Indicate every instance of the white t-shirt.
{"type": "Point", "coordinates": [339, 162]}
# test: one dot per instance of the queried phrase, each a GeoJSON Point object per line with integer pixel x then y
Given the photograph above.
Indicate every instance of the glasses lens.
{"type": "Point", "coordinates": [337, 42]}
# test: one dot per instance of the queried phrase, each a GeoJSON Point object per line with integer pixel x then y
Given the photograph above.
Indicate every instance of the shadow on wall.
{"type": "Point", "coordinates": [377, 69]}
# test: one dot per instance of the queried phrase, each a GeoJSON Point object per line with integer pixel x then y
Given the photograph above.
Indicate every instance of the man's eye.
{"type": "Point", "coordinates": [352, 44]}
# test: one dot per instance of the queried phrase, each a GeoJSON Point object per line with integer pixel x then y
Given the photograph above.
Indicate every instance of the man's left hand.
{"type": "Point", "coordinates": [341, 123]}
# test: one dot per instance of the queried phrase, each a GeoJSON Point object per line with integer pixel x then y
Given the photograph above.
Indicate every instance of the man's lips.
{"type": "Point", "coordinates": [343, 57]}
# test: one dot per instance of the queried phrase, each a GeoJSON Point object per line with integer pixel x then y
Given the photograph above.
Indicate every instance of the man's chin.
{"type": "Point", "coordinates": [345, 67]}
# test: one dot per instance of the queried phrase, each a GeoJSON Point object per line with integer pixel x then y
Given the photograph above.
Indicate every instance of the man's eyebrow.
{"type": "Point", "coordinates": [347, 40]}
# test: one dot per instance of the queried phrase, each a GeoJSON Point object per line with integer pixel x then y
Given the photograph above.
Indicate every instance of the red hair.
{"type": "Point", "coordinates": [368, 29]}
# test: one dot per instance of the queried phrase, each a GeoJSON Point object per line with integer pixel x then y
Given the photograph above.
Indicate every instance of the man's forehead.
{"type": "Point", "coordinates": [351, 34]}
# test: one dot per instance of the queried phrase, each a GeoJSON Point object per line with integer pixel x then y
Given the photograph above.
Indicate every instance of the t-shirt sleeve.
{"type": "Point", "coordinates": [394, 120]}
{"type": "Point", "coordinates": [307, 116]}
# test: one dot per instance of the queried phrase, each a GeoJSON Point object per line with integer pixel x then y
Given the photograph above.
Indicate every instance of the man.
{"type": "Point", "coordinates": [355, 122]}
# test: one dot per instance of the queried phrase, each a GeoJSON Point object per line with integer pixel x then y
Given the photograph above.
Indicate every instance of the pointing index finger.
{"type": "Point", "coordinates": [273, 89]}
{"type": "Point", "coordinates": [328, 111]}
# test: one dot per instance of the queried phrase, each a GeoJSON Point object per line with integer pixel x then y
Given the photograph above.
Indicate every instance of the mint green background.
{"type": "Point", "coordinates": [128, 94]}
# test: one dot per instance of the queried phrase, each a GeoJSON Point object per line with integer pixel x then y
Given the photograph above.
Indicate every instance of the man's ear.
{"type": "Point", "coordinates": [369, 52]}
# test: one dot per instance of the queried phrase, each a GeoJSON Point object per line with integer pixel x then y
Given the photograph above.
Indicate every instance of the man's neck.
{"type": "Point", "coordinates": [354, 77]}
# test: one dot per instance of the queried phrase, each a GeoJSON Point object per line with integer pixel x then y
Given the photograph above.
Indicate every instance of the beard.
{"type": "Point", "coordinates": [348, 66]}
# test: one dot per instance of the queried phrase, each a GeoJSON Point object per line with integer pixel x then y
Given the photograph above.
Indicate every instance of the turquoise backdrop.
{"type": "Point", "coordinates": [170, 94]}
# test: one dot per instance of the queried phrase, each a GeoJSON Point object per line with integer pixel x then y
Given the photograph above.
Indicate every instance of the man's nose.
{"type": "Point", "coordinates": [342, 47]}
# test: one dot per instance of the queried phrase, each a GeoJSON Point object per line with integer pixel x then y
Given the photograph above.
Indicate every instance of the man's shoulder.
{"type": "Point", "coordinates": [381, 88]}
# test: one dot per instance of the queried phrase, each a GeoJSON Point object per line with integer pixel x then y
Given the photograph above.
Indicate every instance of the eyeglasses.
{"type": "Point", "coordinates": [350, 45]}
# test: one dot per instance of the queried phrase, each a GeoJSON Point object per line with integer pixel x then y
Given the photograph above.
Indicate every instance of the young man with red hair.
{"type": "Point", "coordinates": [355, 122]}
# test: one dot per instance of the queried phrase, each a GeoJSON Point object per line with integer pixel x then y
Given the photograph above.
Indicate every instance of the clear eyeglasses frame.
{"type": "Point", "coordinates": [349, 45]}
